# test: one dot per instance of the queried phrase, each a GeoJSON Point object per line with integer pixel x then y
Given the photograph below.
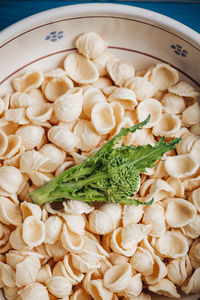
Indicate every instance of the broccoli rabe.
{"type": "Point", "coordinates": [111, 175]}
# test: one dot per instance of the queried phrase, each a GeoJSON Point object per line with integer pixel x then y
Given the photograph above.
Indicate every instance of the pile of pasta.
{"type": "Point", "coordinates": [56, 119]}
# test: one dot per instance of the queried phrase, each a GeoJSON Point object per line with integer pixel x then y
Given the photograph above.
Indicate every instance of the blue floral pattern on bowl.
{"type": "Point", "coordinates": [178, 49]}
{"type": "Point", "coordinates": [54, 36]}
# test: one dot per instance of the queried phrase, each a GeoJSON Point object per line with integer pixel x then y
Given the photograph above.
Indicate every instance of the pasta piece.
{"type": "Point", "coordinates": [179, 269]}
{"type": "Point", "coordinates": [55, 157]}
{"type": "Point", "coordinates": [117, 259]}
{"type": "Point", "coordinates": [183, 89]}
{"type": "Point", "coordinates": [17, 115]}
{"type": "Point", "coordinates": [172, 244]}
{"type": "Point", "coordinates": [77, 207]}
{"type": "Point", "coordinates": [55, 86]}
{"type": "Point", "coordinates": [168, 125]}
{"type": "Point", "coordinates": [101, 61]}
{"type": "Point", "coordinates": [33, 231]}
{"type": "Point", "coordinates": [102, 82]}
{"type": "Point", "coordinates": [44, 274]}
{"type": "Point", "coordinates": [192, 230]}
{"type": "Point", "coordinates": [141, 86]}
{"type": "Point", "coordinates": [195, 199]}
{"type": "Point", "coordinates": [88, 138]}
{"type": "Point", "coordinates": [163, 76]}
{"type": "Point", "coordinates": [76, 223]}
{"type": "Point", "coordinates": [32, 160]}
{"type": "Point", "coordinates": [80, 294]}
{"type": "Point", "coordinates": [143, 137]}
{"type": "Point", "coordinates": [26, 271]}
{"type": "Point", "coordinates": [166, 288]}
{"type": "Point", "coordinates": [173, 103]}
{"type": "Point", "coordinates": [177, 186]}
{"type": "Point", "coordinates": [90, 44]}
{"type": "Point", "coordinates": [132, 214]}
{"type": "Point", "coordinates": [142, 261]}
{"type": "Point", "coordinates": [30, 209]}
{"type": "Point", "coordinates": [191, 115]}
{"type": "Point", "coordinates": [31, 135]}
{"type": "Point", "coordinates": [159, 271]}
{"type": "Point", "coordinates": [141, 296]}
{"type": "Point", "coordinates": [65, 165]}
{"type": "Point", "coordinates": [7, 275]}
{"type": "Point", "coordinates": [20, 99]}
{"type": "Point", "coordinates": [11, 293]}
{"type": "Point", "coordinates": [134, 287]}
{"type": "Point", "coordinates": [152, 107]}
{"type": "Point", "coordinates": [195, 129]}
{"type": "Point", "coordinates": [53, 227]}
{"type": "Point", "coordinates": [192, 284]}
{"type": "Point", "coordinates": [70, 240]}
{"type": "Point", "coordinates": [30, 80]}
{"type": "Point", "coordinates": [4, 239]}
{"type": "Point", "coordinates": [68, 107]}
{"type": "Point", "coordinates": [119, 72]}
{"type": "Point", "coordinates": [39, 113]}
{"type": "Point", "coordinates": [16, 240]}
{"type": "Point", "coordinates": [1, 106]}
{"type": "Point", "coordinates": [194, 254]}
{"type": "Point", "coordinates": [118, 112]}
{"type": "Point", "coordinates": [59, 286]}
{"type": "Point", "coordinates": [180, 166]}
{"type": "Point", "coordinates": [154, 216]}
{"type": "Point", "coordinates": [63, 138]}
{"type": "Point", "coordinates": [118, 277]}
{"type": "Point", "coordinates": [126, 97]}
{"type": "Point", "coordinates": [56, 250]}
{"type": "Point", "coordinates": [102, 117]}
{"type": "Point", "coordinates": [3, 142]}
{"type": "Point", "coordinates": [34, 291]}
{"type": "Point", "coordinates": [179, 212]}
{"type": "Point", "coordinates": [13, 144]}
{"type": "Point", "coordinates": [10, 213]}
{"type": "Point", "coordinates": [76, 66]}
{"type": "Point", "coordinates": [92, 95]}
{"type": "Point", "coordinates": [187, 143]}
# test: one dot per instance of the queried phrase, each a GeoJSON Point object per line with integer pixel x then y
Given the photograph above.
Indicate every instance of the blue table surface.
{"type": "Point", "coordinates": [186, 12]}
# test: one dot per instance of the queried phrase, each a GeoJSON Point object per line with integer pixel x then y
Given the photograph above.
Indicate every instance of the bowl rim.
{"type": "Point", "coordinates": [48, 16]}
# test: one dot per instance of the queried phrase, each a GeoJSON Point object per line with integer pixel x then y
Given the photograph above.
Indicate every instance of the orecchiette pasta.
{"type": "Point", "coordinates": [71, 250]}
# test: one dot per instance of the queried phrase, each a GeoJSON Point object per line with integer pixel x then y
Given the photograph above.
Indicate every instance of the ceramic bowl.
{"type": "Point", "coordinates": [135, 35]}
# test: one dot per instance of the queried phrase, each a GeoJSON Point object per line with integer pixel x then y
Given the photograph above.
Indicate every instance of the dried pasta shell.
{"type": "Point", "coordinates": [56, 250]}
{"type": "Point", "coordinates": [54, 87]}
{"type": "Point", "coordinates": [163, 76]}
{"type": "Point", "coordinates": [134, 287]}
{"type": "Point", "coordinates": [30, 80]}
{"type": "Point", "coordinates": [80, 294]}
{"type": "Point", "coordinates": [192, 230]}
{"type": "Point", "coordinates": [180, 166]}
{"type": "Point", "coordinates": [33, 231]}
{"type": "Point", "coordinates": [179, 212]}
{"type": "Point", "coordinates": [26, 271]}
{"type": "Point", "coordinates": [53, 227]}
{"type": "Point", "coordinates": [11, 293]}
{"type": "Point", "coordinates": [77, 207]}
{"type": "Point", "coordinates": [1, 106]}
{"type": "Point", "coordinates": [166, 288]}
{"type": "Point", "coordinates": [191, 115]}
{"type": "Point", "coordinates": [118, 111]}
{"type": "Point", "coordinates": [132, 214]}
{"type": "Point", "coordinates": [44, 273]}
{"type": "Point", "coordinates": [194, 198]}
{"type": "Point", "coordinates": [172, 244]}
{"type": "Point", "coordinates": [154, 216]}
{"type": "Point", "coordinates": [55, 157]}
{"type": "Point", "coordinates": [76, 223]}
{"type": "Point", "coordinates": [39, 113]}
{"type": "Point", "coordinates": [3, 142]}
{"type": "Point", "coordinates": [76, 66]}
{"type": "Point", "coordinates": [194, 254]}
{"type": "Point", "coordinates": [119, 72]}
{"type": "Point", "coordinates": [16, 240]}
{"type": "Point", "coordinates": [31, 135]}
{"type": "Point", "coordinates": [68, 107]}
{"type": "Point", "coordinates": [91, 96]}
{"type": "Point", "coordinates": [195, 129]}
{"type": "Point", "coordinates": [117, 277]}
{"type": "Point", "coordinates": [102, 117]}
{"type": "Point", "coordinates": [192, 284]}
{"type": "Point", "coordinates": [179, 269]}
{"type": "Point", "coordinates": [143, 137]}
{"type": "Point", "coordinates": [141, 86]}
{"type": "Point", "coordinates": [186, 144]}
{"type": "Point", "coordinates": [96, 288]}
{"type": "Point", "coordinates": [9, 212]}
{"type": "Point", "coordinates": [173, 103]}
{"type": "Point", "coordinates": [142, 261]}
{"type": "Point", "coordinates": [63, 138]}
{"type": "Point", "coordinates": [183, 89]}
{"type": "Point", "coordinates": [59, 286]}
{"type": "Point", "coordinates": [177, 186]}
{"type": "Point", "coordinates": [88, 138]}
{"type": "Point", "coordinates": [70, 240]}
{"type": "Point", "coordinates": [20, 99]}
{"type": "Point", "coordinates": [101, 61]}
{"type": "Point", "coordinates": [34, 291]}
{"type": "Point", "coordinates": [90, 44]}
{"type": "Point", "coordinates": [7, 275]}
{"type": "Point", "coordinates": [168, 125]}
{"type": "Point", "coordinates": [159, 271]}
{"type": "Point", "coordinates": [74, 275]}
{"type": "Point", "coordinates": [126, 97]}
{"type": "Point", "coordinates": [32, 160]}
{"type": "Point", "coordinates": [17, 115]}
{"type": "Point", "coordinates": [152, 107]}
{"type": "Point", "coordinates": [13, 147]}
{"type": "Point", "coordinates": [30, 209]}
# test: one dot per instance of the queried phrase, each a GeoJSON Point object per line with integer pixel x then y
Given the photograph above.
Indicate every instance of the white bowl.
{"type": "Point", "coordinates": [135, 35]}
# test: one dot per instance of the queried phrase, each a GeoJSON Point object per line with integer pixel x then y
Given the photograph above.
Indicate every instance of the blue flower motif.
{"type": "Point", "coordinates": [54, 36]}
{"type": "Point", "coordinates": [178, 50]}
